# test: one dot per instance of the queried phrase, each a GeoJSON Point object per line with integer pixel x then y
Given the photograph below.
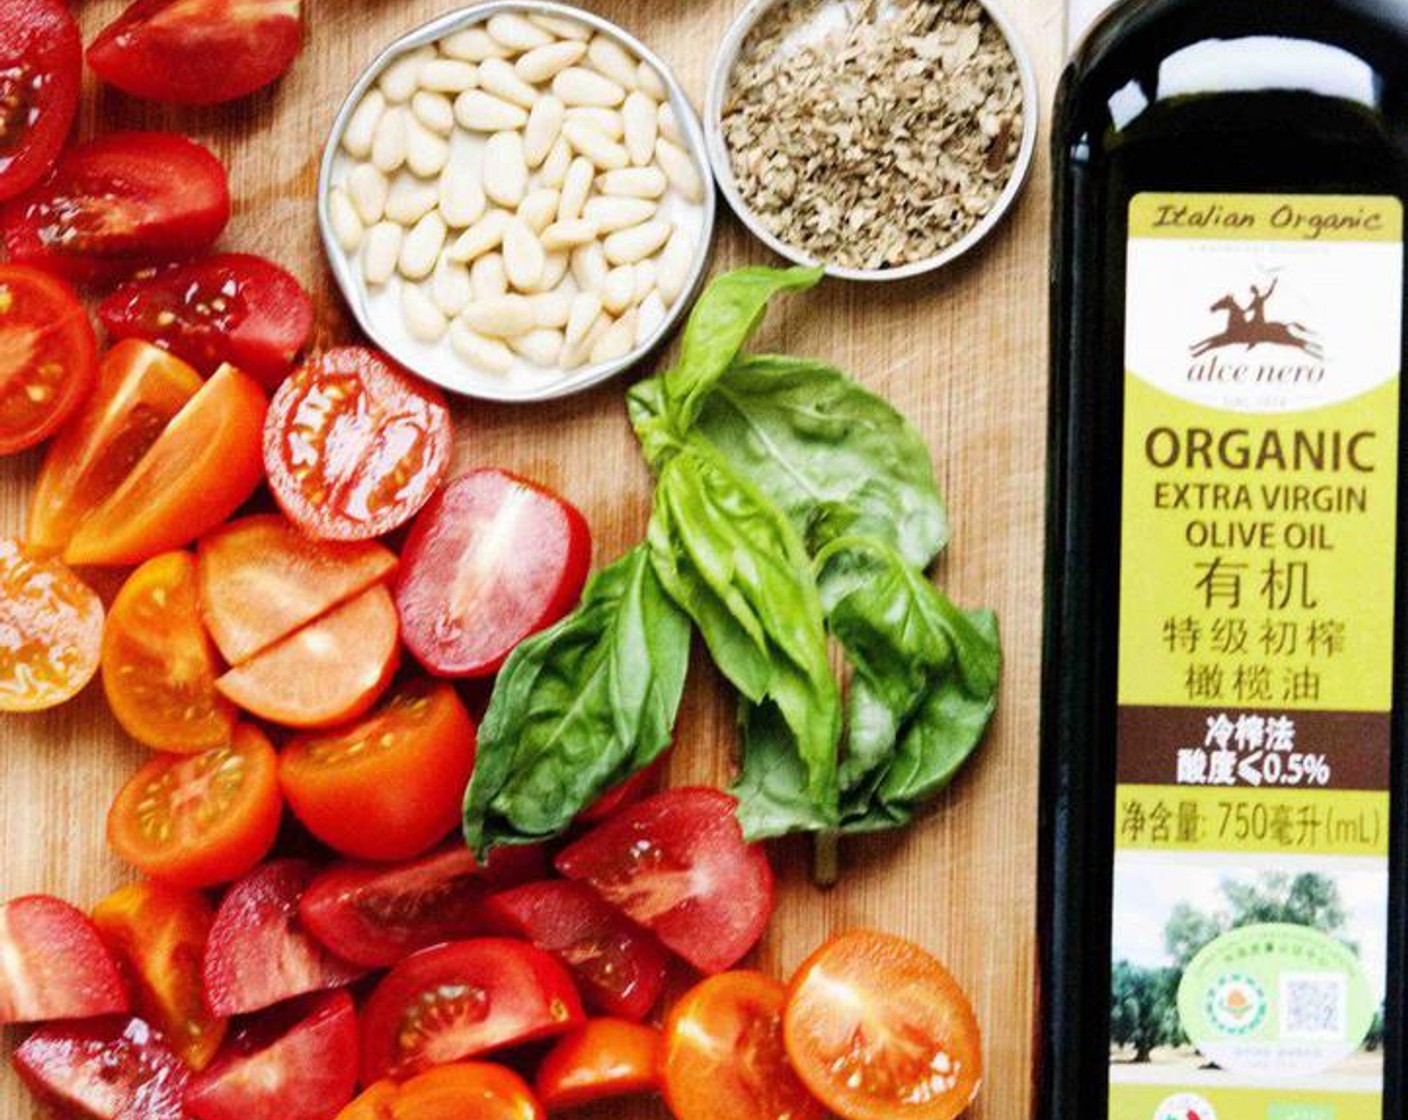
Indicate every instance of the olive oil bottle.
{"type": "Point", "coordinates": [1223, 863]}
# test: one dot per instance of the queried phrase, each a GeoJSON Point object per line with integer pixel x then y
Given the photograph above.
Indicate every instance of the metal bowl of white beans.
{"type": "Point", "coordinates": [516, 201]}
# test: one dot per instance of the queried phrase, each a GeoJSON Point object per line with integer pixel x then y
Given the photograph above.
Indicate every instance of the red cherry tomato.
{"type": "Point", "coordinates": [677, 863]}
{"type": "Point", "coordinates": [104, 1069]}
{"type": "Point", "coordinates": [41, 70]}
{"type": "Point", "coordinates": [53, 627]}
{"type": "Point", "coordinates": [462, 999]}
{"type": "Point", "coordinates": [54, 965]}
{"type": "Point", "coordinates": [605, 1059]}
{"type": "Point", "coordinates": [354, 445]}
{"type": "Point", "coordinates": [625, 794]}
{"type": "Point", "coordinates": [493, 559]}
{"type": "Point", "coordinates": [619, 967]}
{"type": "Point", "coordinates": [198, 52]}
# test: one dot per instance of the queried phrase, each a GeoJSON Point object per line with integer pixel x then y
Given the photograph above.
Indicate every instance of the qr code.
{"type": "Point", "coordinates": [1314, 1005]}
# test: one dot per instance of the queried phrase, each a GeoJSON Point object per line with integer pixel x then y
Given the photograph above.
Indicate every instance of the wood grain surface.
{"type": "Point", "coordinates": [962, 353]}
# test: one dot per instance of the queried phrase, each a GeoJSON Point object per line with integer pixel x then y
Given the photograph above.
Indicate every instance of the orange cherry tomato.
{"type": "Point", "coordinates": [879, 1030]}
{"type": "Point", "coordinates": [462, 1091]}
{"type": "Point", "coordinates": [329, 672]}
{"type": "Point", "coordinates": [604, 1059]}
{"type": "Point", "coordinates": [204, 819]}
{"type": "Point", "coordinates": [140, 389]}
{"type": "Point", "coordinates": [389, 786]}
{"type": "Point", "coordinates": [159, 933]}
{"type": "Point", "coordinates": [724, 1055]}
{"type": "Point", "coordinates": [159, 665]}
{"type": "Point", "coordinates": [53, 627]}
{"type": "Point", "coordinates": [373, 1104]}
{"type": "Point", "coordinates": [202, 468]}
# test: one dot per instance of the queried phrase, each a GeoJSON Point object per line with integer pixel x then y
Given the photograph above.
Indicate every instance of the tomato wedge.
{"type": "Point", "coordinates": [462, 999]}
{"type": "Point", "coordinates": [627, 793]}
{"type": "Point", "coordinates": [877, 1028]}
{"type": "Point", "coordinates": [605, 1059]}
{"type": "Point", "coordinates": [53, 627]}
{"type": "Point", "coordinates": [463, 1091]}
{"type": "Point", "coordinates": [54, 965]}
{"type": "Point", "coordinates": [140, 390]}
{"type": "Point", "coordinates": [159, 935]}
{"type": "Point", "coordinates": [677, 864]}
{"type": "Point", "coordinates": [230, 307]}
{"type": "Point", "coordinates": [41, 70]}
{"type": "Point", "coordinates": [493, 559]}
{"type": "Point", "coordinates": [200, 820]}
{"type": "Point", "coordinates": [354, 445]}
{"type": "Point", "coordinates": [159, 665]}
{"type": "Point", "coordinates": [104, 1069]}
{"type": "Point", "coordinates": [48, 355]}
{"type": "Point", "coordinates": [116, 204]}
{"type": "Point", "coordinates": [202, 468]}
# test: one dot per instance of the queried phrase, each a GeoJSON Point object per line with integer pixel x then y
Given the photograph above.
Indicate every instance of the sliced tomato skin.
{"type": "Point", "coordinates": [56, 964]}
{"type": "Point", "coordinates": [41, 59]}
{"type": "Point", "coordinates": [53, 623]}
{"type": "Point", "coordinates": [462, 1091]}
{"type": "Point", "coordinates": [605, 1059]}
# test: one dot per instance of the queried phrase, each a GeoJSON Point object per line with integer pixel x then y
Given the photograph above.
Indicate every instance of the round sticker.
{"type": "Point", "coordinates": [1185, 1106]}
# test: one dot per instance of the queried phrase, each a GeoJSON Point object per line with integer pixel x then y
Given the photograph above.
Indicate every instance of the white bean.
{"type": "Point", "coordinates": [579, 86]}
{"type": "Point", "coordinates": [606, 121]}
{"type": "Point", "coordinates": [645, 280]}
{"type": "Point", "coordinates": [473, 44]}
{"type": "Point", "coordinates": [448, 75]}
{"type": "Point", "coordinates": [612, 60]}
{"type": "Point", "coordinates": [422, 246]}
{"type": "Point", "coordinates": [616, 342]}
{"type": "Point", "coordinates": [484, 236]}
{"type": "Point", "coordinates": [635, 244]}
{"type": "Point", "coordinates": [487, 279]}
{"type": "Point", "coordinates": [545, 63]}
{"type": "Point", "coordinates": [679, 168]}
{"type": "Point", "coordinates": [424, 320]}
{"type": "Point", "coordinates": [634, 182]}
{"type": "Point", "coordinates": [554, 271]}
{"type": "Point", "coordinates": [478, 111]}
{"type": "Point", "coordinates": [462, 200]}
{"type": "Point", "coordinates": [614, 214]}
{"type": "Point", "coordinates": [524, 258]}
{"type": "Point", "coordinates": [450, 286]}
{"type": "Point", "coordinates": [426, 153]}
{"type": "Point", "coordinates": [589, 267]}
{"type": "Point", "coordinates": [516, 33]}
{"type": "Point", "coordinates": [651, 316]}
{"type": "Point", "coordinates": [604, 152]}
{"type": "Point", "coordinates": [538, 209]}
{"type": "Point", "coordinates": [670, 125]}
{"type": "Point", "coordinates": [505, 171]}
{"type": "Point", "coordinates": [576, 189]}
{"type": "Point", "coordinates": [346, 225]}
{"type": "Point", "coordinates": [487, 354]}
{"type": "Point", "coordinates": [619, 290]}
{"type": "Point", "coordinates": [381, 251]}
{"type": "Point", "coordinates": [582, 316]}
{"type": "Point", "coordinates": [570, 234]}
{"type": "Point", "coordinates": [649, 82]}
{"type": "Point", "coordinates": [642, 128]}
{"type": "Point", "coordinates": [389, 143]}
{"type": "Point", "coordinates": [552, 309]}
{"type": "Point", "coordinates": [435, 111]}
{"type": "Point", "coordinates": [543, 129]}
{"type": "Point", "coordinates": [410, 200]}
{"type": "Point", "coordinates": [541, 346]}
{"type": "Point", "coordinates": [553, 173]}
{"type": "Point", "coordinates": [367, 187]}
{"type": "Point", "coordinates": [673, 269]}
{"type": "Point", "coordinates": [504, 317]}
{"type": "Point", "coordinates": [361, 125]}
{"type": "Point", "coordinates": [574, 356]}
{"type": "Point", "coordinates": [402, 78]}
{"type": "Point", "coordinates": [499, 78]}
{"type": "Point", "coordinates": [563, 28]}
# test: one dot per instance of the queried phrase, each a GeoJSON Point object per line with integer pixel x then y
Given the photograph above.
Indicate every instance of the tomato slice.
{"type": "Point", "coordinates": [202, 468]}
{"type": "Point", "coordinates": [41, 70]}
{"type": "Point", "coordinates": [355, 445]}
{"type": "Point", "coordinates": [53, 627]}
{"type": "Point", "coordinates": [463, 1091]}
{"type": "Point", "coordinates": [330, 671]}
{"type": "Point", "coordinates": [493, 559]}
{"type": "Point", "coordinates": [877, 1028]}
{"type": "Point", "coordinates": [159, 665]}
{"type": "Point", "coordinates": [200, 820]}
{"type": "Point", "coordinates": [677, 864]}
{"type": "Point", "coordinates": [48, 355]}
{"type": "Point", "coordinates": [159, 935]}
{"type": "Point", "coordinates": [463, 999]}
{"type": "Point", "coordinates": [619, 967]}
{"type": "Point", "coordinates": [605, 1059]}
{"type": "Point", "coordinates": [104, 1069]}
{"type": "Point", "coordinates": [230, 307]}
{"type": "Point", "coordinates": [627, 793]}
{"type": "Point", "coordinates": [53, 964]}
{"type": "Point", "coordinates": [116, 204]}
{"type": "Point", "coordinates": [303, 1071]}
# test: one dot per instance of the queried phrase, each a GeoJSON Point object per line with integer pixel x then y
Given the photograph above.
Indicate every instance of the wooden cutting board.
{"type": "Point", "coordinates": [962, 353]}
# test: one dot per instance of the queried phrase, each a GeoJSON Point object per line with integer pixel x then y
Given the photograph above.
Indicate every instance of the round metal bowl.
{"type": "Point", "coordinates": [445, 368]}
{"type": "Point", "coordinates": [717, 148]}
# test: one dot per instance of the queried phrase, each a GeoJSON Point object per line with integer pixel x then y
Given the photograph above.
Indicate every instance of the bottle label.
{"type": "Point", "coordinates": [1258, 537]}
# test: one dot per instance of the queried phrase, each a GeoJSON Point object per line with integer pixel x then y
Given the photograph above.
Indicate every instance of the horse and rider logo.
{"type": "Point", "coordinates": [1249, 326]}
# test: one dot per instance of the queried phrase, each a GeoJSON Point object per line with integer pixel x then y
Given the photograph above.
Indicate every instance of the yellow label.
{"type": "Point", "coordinates": [1232, 217]}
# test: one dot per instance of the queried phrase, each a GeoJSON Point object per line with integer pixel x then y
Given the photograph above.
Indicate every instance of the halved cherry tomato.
{"type": "Point", "coordinates": [198, 52]}
{"type": "Point", "coordinates": [200, 820]}
{"type": "Point", "coordinates": [202, 468]}
{"type": "Point", "coordinates": [607, 1058]}
{"type": "Point", "coordinates": [41, 70]}
{"type": "Point", "coordinates": [53, 627]}
{"type": "Point", "coordinates": [261, 579]}
{"type": "Point", "coordinates": [104, 1069]}
{"type": "Point", "coordinates": [332, 670]}
{"type": "Point", "coordinates": [119, 203]}
{"type": "Point", "coordinates": [877, 1029]}
{"type": "Point", "coordinates": [677, 863]}
{"type": "Point", "coordinates": [389, 786]}
{"type": "Point", "coordinates": [230, 307]}
{"type": "Point", "coordinates": [140, 390]}
{"type": "Point", "coordinates": [626, 794]}
{"type": "Point", "coordinates": [462, 999]}
{"type": "Point", "coordinates": [259, 953]}
{"type": "Point", "coordinates": [299, 1064]}
{"type": "Point", "coordinates": [159, 935]}
{"type": "Point", "coordinates": [354, 445]}
{"type": "Point", "coordinates": [48, 354]}
{"type": "Point", "coordinates": [493, 559]}
{"type": "Point", "coordinates": [54, 965]}
{"type": "Point", "coordinates": [375, 1103]}
{"type": "Point", "coordinates": [463, 1091]}
{"type": "Point", "coordinates": [159, 665]}
{"type": "Point", "coordinates": [619, 967]}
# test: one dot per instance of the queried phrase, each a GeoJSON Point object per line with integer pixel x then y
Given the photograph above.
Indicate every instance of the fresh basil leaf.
{"type": "Point", "coordinates": [645, 405]}
{"type": "Point", "coordinates": [773, 798]}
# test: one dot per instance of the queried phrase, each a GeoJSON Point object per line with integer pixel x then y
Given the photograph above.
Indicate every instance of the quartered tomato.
{"type": "Point", "coordinates": [724, 1054]}
{"type": "Point", "coordinates": [159, 665]}
{"type": "Point", "coordinates": [119, 203]}
{"type": "Point", "coordinates": [53, 627]}
{"type": "Point", "coordinates": [677, 863]}
{"type": "Point", "coordinates": [355, 445]}
{"type": "Point", "coordinates": [493, 559]}
{"type": "Point", "coordinates": [203, 819]}
{"type": "Point", "coordinates": [878, 1030]}
{"type": "Point", "coordinates": [230, 307]}
{"type": "Point", "coordinates": [48, 354]}
{"type": "Point", "coordinates": [41, 69]}
{"type": "Point", "coordinates": [462, 999]}
{"type": "Point", "coordinates": [159, 935]}
{"type": "Point", "coordinates": [463, 1091]}
{"type": "Point", "coordinates": [54, 965]}
{"type": "Point", "coordinates": [140, 390]}
{"type": "Point", "coordinates": [605, 1059]}
{"type": "Point", "coordinates": [104, 1069]}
